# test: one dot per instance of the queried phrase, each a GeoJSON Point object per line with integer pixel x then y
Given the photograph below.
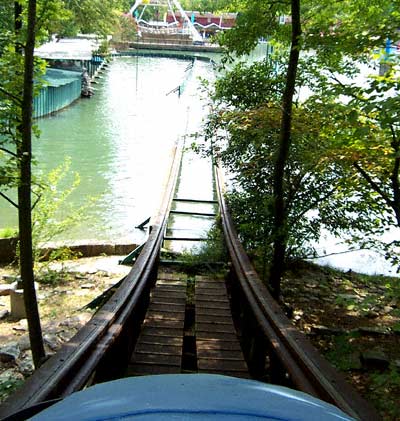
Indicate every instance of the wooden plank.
{"type": "Point", "coordinates": [163, 324]}
{"type": "Point", "coordinates": [150, 369]}
{"type": "Point", "coordinates": [205, 293]}
{"type": "Point", "coordinates": [148, 358]}
{"type": "Point", "coordinates": [221, 336]}
{"type": "Point", "coordinates": [162, 331]}
{"type": "Point", "coordinates": [171, 283]}
{"type": "Point", "coordinates": [206, 311]}
{"type": "Point", "coordinates": [168, 295]}
{"type": "Point", "coordinates": [163, 307]}
{"type": "Point", "coordinates": [172, 276]}
{"type": "Point", "coordinates": [171, 286]}
{"type": "Point", "coordinates": [168, 300]}
{"type": "Point", "coordinates": [161, 340]}
{"type": "Point", "coordinates": [210, 283]}
{"type": "Point", "coordinates": [166, 315]}
{"type": "Point", "coordinates": [223, 317]}
{"type": "Point", "coordinates": [170, 238]}
{"type": "Point", "coordinates": [240, 374]}
{"type": "Point", "coordinates": [215, 328]}
{"type": "Point", "coordinates": [221, 365]}
{"type": "Point", "coordinates": [212, 286]}
{"type": "Point", "coordinates": [193, 213]}
{"type": "Point", "coordinates": [220, 354]}
{"type": "Point", "coordinates": [218, 348]}
{"type": "Point", "coordinates": [207, 304]}
{"type": "Point", "coordinates": [159, 349]}
{"type": "Point", "coordinates": [218, 344]}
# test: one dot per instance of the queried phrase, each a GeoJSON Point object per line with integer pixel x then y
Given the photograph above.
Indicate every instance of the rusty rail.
{"type": "Point", "coordinates": [87, 357]}
{"type": "Point", "coordinates": [269, 333]}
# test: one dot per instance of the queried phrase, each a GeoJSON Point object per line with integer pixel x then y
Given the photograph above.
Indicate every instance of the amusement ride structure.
{"type": "Point", "coordinates": [169, 7]}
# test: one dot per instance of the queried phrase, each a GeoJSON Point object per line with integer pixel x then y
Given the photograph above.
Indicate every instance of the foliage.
{"type": "Point", "coordinates": [243, 133]}
{"type": "Point", "coordinates": [384, 384]}
{"type": "Point", "coordinates": [126, 29]}
{"type": "Point", "coordinates": [211, 251]}
{"type": "Point", "coordinates": [344, 354]}
{"type": "Point", "coordinates": [203, 6]}
{"type": "Point", "coordinates": [48, 222]}
{"type": "Point", "coordinates": [8, 232]}
{"type": "Point", "coordinates": [90, 16]}
{"type": "Point", "coordinates": [45, 274]}
{"type": "Point", "coordinates": [256, 19]}
{"type": "Point", "coordinates": [364, 133]}
{"type": "Point", "coordinates": [357, 122]}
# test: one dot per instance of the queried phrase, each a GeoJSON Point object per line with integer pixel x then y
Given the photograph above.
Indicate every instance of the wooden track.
{"type": "Point", "coordinates": [218, 348]}
{"type": "Point", "coordinates": [172, 323]}
{"type": "Point", "coordinates": [161, 345]}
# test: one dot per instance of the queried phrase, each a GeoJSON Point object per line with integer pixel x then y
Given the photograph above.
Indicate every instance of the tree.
{"type": "Point", "coordinates": [24, 152]}
{"type": "Point", "coordinates": [204, 6]}
{"type": "Point", "coordinates": [249, 22]}
{"type": "Point", "coordinates": [90, 16]}
{"type": "Point", "coordinates": [285, 139]}
{"type": "Point", "coordinates": [338, 39]}
{"type": "Point", "coordinates": [243, 130]}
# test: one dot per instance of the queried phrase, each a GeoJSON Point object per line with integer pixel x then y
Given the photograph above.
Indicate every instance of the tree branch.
{"type": "Point", "coordinates": [9, 200]}
{"type": "Point", "coordinates": [9, 152]}
{"type": "Point", "coordinates": [10, 95]}
{"type": "Point", "coordinates": [314, 204]}
{"type": "Point", "coordinates": [345, 252]}
{"type": "Point", "coordinates": [38, 197]}
{"type": "Point", "coordinates": [373, 184]}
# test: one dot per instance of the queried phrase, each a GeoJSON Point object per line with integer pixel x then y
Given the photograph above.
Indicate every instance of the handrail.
{"type": "Point", "coordinates": [72, 367]}
{"type": "Point", "coordinates": [308, 370]}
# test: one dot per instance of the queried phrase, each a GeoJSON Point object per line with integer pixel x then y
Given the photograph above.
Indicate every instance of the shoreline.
{"type": "Point", "coordinates": [85, 248]}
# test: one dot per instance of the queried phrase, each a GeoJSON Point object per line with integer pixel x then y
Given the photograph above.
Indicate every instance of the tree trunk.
{"type": "Point", "coordinates": [24, 195]}
{"type": "Point", "coordinates": [285, 139]}
{"type": "Point", "coordinates": [17, 17]}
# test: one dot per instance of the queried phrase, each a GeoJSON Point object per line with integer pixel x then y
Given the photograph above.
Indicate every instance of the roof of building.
{"type": "Point", "coordinates": [68, 49]}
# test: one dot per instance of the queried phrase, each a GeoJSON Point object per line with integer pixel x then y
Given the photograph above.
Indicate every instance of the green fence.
{"type": "Point", "coordinates": [62, 88]}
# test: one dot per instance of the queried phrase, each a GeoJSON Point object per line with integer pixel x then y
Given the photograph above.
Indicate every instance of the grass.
{"type": "Point", "coordinates": [344, 353]}
{"type": "Point", "coordinates": [211, 251]}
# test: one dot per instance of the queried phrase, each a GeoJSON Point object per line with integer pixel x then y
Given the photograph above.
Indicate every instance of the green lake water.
{"type": "Point", "coordinates": [119, 142]}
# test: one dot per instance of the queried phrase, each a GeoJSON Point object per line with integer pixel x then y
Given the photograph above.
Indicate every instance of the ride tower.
{"type": "Point", "coordinates": [156, 19]}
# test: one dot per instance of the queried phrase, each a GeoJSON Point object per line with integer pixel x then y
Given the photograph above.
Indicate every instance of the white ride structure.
{"type": "Point", "coordinates": [170, 6]}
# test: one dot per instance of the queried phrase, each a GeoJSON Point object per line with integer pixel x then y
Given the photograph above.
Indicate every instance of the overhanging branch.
{"type": "Point", "coordinates": [372, 183]}
{"type": "Point", "coordinates": [8, 152]}
{"type": "Point", "coordinates": [8, 199]}
{"type": "Point", "coordinates": [10, 95]}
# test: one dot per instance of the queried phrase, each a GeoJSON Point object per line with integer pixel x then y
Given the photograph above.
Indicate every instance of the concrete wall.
{"type": "Point", "coordinates": [8, 249]}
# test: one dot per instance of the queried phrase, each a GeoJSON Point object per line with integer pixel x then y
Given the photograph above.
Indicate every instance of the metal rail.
{"type": "Point", "coordinates": [90, 354]}
{"type": "Point", "coordinates": [269, 333]}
